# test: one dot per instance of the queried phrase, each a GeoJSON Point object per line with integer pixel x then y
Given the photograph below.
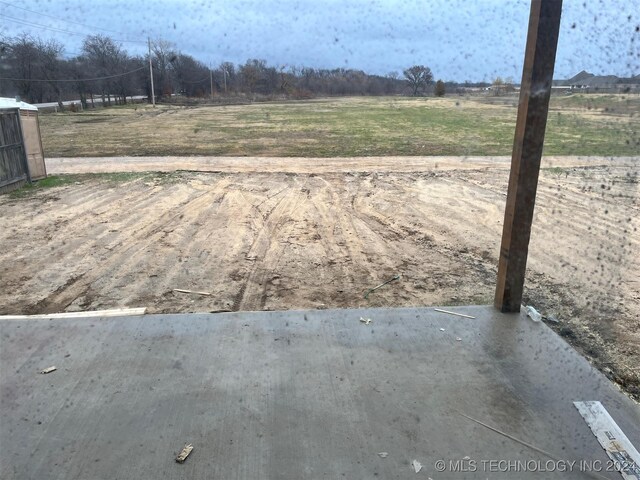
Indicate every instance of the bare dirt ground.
{"type": "Point", "coordinates": [287, 234]}
{"type": "Point", "coordinates": [306, 165]}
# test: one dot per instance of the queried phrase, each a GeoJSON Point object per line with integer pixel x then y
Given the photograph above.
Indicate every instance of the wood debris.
{"type": "Point", "coordinates": [453, 313]}
{"type": "Point", "coordinates": [184, 453]}
{"type": "Point", "coordinates": [180, 290]}
{"type": "Point", "coordinates": [49, 370]}
{"type": "Point", "coordinates": [397, 277]}
{"type": "Point", "coordinates": [115, 312]}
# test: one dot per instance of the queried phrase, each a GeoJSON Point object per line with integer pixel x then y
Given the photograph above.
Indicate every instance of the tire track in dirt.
{"type": "Point", "coordinates": [594, 248]}
{"type": "Point", "coordinates": [266, 246]}
{"type": "Point", "coordinates": [339, 240]}
{"type": "Point", "coordinates": [51, 237]}
{"type": "Point", "coordinates": [280, 241]}
{"type": "Point", "coordinates": [581, 257]}
{"type": "Point", "coordinates": [121, 262]}
{"type": "Point", "coordinates": [151, 237]}
{"type": "Point", "coordinates": [208, 248]}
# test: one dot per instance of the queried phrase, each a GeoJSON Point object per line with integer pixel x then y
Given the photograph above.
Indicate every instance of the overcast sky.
{"type": "Point", "coordinates": [459, 39]}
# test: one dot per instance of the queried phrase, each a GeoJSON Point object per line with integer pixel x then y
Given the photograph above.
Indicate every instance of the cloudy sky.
{"type": "Point", "coordinates": [459, 39]}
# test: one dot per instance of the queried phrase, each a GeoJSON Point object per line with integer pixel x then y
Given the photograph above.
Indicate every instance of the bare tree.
{"type": "Point", "coordinates": [226, 73]}
{"type": "Point", "coordinates": [497, 86]}
{"type": "Point", "coordinates": [391, 82]}
{"type": "Point", "coordinates": [418, 77]}
{"type": "Point", "coordinates": [51, 66]}
{"type": "Point", "coordinates": [22, 60]}
{"type": "Point", "coordinates": [77, 67]}
{"type": "Point", "coordinates": [251, 73]}
{"type": "Point", "coordinates": [5, 52]}
{"type": "Point", "coordinates": [125, 85]}
{"type": "Point", "coordinates": [35, 66]}
{"type": "Point", "coordinates": [163, 55]}
{"type": "Point", "coordinates": [104, 59]}
{"type": "Point", "coordinates": [34, 69]}
{"type": "Point", "coordinates": [287, 79]}
{"type": "Point", "coordinates": [191, 76]}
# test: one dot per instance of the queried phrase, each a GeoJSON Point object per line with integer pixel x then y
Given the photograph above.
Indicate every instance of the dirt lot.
{"type": "Point", "coordinates": [296, 237]}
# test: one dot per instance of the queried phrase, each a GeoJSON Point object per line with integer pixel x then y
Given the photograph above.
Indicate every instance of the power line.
{"type": "Point", "coordinates": [197, 81]}
{"type": "Point", "coordinates": [62, 19]}
{"type": "Point", "coordinates": [54, 29]}
{"type": "Point", "coordinates": [31, 24]}
{"type": "Point", "coordinates": [72, 79]}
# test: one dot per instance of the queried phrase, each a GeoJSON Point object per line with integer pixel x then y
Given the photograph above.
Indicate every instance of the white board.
{"type": "Point", "coordinates": [117, 312]}
{"type": "Point", "coordinates": [624, 456]}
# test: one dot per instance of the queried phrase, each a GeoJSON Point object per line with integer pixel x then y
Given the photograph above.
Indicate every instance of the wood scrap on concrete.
{"type": "Point", "coordinates": [184, 453]}
{"type": "Point", "coordinates": [453, 313]}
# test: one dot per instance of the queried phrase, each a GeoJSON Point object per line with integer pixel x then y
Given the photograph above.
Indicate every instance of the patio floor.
{"type": "Point", "coordinates": [297, 394]}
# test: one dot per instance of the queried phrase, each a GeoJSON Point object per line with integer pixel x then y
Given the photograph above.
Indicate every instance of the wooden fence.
{"type": "Point", "coordinates": [13, 159]}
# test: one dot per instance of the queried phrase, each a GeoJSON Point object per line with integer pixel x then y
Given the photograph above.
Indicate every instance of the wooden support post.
{"type": "Point", "coordinates": [535, 90]}
{"type": "Point", "coordinates": [25, 159]}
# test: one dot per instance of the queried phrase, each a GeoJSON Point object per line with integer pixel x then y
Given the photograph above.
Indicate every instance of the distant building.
{"type": "Point", "coordinates": [585, 82]}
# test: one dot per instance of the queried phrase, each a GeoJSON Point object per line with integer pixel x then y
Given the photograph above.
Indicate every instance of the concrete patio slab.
{"type": "Point", "coordinates": [299, 394]}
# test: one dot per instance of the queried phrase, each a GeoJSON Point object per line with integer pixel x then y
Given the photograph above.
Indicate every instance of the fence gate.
{"type": "Point", "coordinates": [13, 158]}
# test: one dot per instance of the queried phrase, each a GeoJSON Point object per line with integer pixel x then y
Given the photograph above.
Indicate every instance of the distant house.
{"type": "Point", "coordinates": [629, 85]}
{"type": "Point", "coordinates": [586, 82]}
{"type": "Point", "coordinates": [579, 78]}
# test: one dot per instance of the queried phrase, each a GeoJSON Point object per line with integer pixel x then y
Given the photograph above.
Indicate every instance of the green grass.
{"type": "Point", "coordinates": [122, 177]}
{"type": "Point", "coordinates": [46, 183]}
{"type": "Point", "coordinates": [607, 103]}
{"type": "Point", "coordinates": [53, 181]}
{"type": "Point", "coordinates": [557, 171]}
{"type": "Point", "coordinates": [354, 126]}
{"type": "Point", "coordinates": [155, 177]}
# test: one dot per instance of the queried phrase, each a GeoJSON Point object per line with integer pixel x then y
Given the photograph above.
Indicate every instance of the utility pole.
{"type": "Point", "coordinates": [224, 73]}
{"type": "Point", "coordinates": [211, 80]}
{"type": "Point", "coordinates": [153, 94]}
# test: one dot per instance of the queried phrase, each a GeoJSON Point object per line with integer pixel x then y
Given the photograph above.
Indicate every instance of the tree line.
{"type": "Point", "coordinates": [35, 70]}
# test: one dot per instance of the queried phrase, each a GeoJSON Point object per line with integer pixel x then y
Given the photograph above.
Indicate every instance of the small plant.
{"type": "Point", "coordinates": [558, 171]}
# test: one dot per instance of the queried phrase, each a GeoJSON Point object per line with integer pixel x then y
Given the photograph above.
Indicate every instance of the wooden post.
{"type": "Point", "coordinates": [535, 90]}
{"type": "Point", "coordinates": [25, 159]}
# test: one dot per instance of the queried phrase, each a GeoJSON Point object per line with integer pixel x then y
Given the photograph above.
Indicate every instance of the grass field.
{"type": "Point", "coordinates": [354, 126]}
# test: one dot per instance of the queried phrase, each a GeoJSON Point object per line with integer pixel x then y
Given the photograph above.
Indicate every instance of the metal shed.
{"type": "Point", "coordinates": [22, 156]}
